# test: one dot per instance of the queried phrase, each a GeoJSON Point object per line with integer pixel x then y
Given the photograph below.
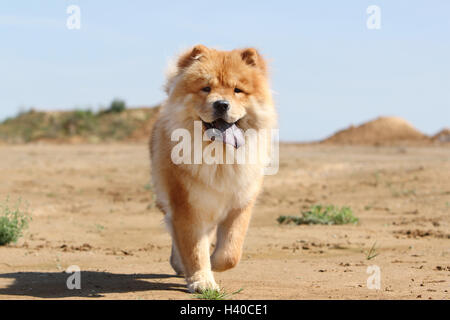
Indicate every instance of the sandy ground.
{"type": "Point", "coordinates": [92, 207]}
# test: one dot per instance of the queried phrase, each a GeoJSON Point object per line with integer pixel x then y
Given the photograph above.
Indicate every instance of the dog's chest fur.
{"type": "Point", "coordinates": [214, 190]}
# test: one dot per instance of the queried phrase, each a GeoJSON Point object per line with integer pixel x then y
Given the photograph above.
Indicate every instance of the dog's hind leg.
{"type": "Point", "coordinates": [230, 239]}
{"type": "Point", "coordinates": [175, 260]}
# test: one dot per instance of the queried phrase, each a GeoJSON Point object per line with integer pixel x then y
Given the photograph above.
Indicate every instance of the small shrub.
{"type": "Point", "coordinates": [13, 220]}
{"type": "Point", "coordinates": [117, 106]}
{"type": "Point", "coordinates": [211, 294]}
{"type": "Point", "coordinates": [319, 214]}
{"type": "Point", "coordinates": [79, 122]}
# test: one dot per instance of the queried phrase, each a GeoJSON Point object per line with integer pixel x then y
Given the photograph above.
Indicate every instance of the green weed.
{"type": "Point", "coordinates": [319, 214]}
{"type": "Point", "coordinates": [13, 220]}
{"type": "Point", "coordinates": [372, 253]}
{"type": "Point", "coordinates": [211, 294]}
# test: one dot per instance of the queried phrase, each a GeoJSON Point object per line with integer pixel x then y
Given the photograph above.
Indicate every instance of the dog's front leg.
{"type": "Point", "coordinates": [230, 239]}
{"type": "Point", "coordinates": [192, 240]}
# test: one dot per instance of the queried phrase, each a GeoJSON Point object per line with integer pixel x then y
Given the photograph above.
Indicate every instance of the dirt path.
{"type": "Point", "coordinates": [92, 207]}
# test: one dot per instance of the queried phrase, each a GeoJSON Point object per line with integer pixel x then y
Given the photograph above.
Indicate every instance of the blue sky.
{"type": "Point", "coordinates": [328, 70]}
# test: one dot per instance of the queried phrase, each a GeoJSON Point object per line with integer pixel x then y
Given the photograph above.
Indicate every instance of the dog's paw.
{"type": "Point", "coordinates": [201, 282]}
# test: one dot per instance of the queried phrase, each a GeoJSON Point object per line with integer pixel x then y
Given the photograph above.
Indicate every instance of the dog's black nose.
{"type": "Point", "coordinates": [221, 106]}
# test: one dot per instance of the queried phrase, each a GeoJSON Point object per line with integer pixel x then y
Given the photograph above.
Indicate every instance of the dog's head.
{"type": "Point", "coordinates": [223, 89]}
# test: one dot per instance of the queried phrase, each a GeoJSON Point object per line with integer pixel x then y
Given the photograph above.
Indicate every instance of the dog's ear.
{"type": "Point", "coordinates": [192, 55]}
{"type": "Point", "coordinates": [252, 57]}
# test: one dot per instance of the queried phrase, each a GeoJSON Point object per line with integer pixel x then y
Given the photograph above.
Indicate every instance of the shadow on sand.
{"type": "Point", "coordinates": [93, 284]}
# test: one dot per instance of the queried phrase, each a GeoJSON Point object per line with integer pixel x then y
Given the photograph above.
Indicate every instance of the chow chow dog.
{"type": "Point", "coordinates": [227, 93]}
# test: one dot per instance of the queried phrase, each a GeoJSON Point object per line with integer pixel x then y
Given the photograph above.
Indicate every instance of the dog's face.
{"type": "Point", "coordinates": [222, 88]}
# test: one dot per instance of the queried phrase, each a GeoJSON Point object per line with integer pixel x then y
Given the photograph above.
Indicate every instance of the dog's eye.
{"type": "Point", "coordinates": [206, 89]}
{"type": "Point", "coordinates": [237, 90]}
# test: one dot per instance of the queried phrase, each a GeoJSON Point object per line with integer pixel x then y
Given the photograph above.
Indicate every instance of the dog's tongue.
{"type": "Point", "coordinates": [227, 132]}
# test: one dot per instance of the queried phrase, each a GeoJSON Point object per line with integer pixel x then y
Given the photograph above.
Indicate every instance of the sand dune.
{"type": "Point", "coordinates": [381, 131]}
